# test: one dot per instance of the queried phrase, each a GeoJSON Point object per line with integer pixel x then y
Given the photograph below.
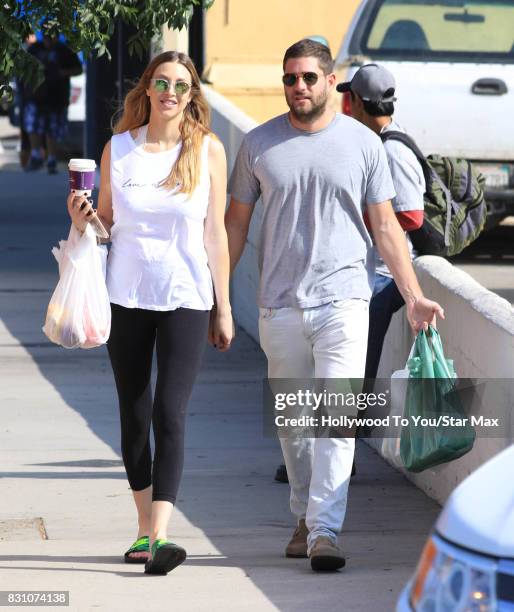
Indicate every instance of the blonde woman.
{"type": "Point", "coordinates": [162, 195]}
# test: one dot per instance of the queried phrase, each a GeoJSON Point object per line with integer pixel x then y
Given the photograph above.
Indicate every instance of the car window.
{"type": "Point", "coordinates": [444, 29]}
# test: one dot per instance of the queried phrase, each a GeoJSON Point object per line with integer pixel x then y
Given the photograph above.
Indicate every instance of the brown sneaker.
{"type": "Point", "coordinates": [297, 546]}
{"type": "Point", "coordinates": [326, 556]}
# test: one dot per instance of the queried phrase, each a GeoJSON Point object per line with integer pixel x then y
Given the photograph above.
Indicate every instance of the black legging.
{"type": "Point", "coordinates": [180, 337]}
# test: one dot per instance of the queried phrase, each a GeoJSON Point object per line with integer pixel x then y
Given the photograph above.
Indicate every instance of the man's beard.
{"type": "Point", "coordinates": [318, 106]}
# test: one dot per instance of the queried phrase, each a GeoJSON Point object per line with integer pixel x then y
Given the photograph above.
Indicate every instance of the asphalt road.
{"type": "Point", "coordinates": [490, 260]}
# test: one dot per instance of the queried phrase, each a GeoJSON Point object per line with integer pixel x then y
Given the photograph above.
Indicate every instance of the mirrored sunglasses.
{"type": "Point", "coordinates": [163, 85]}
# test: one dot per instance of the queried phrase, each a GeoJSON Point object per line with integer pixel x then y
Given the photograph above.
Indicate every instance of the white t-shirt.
{"type": "Point", "coordinates": [157, 259]}
{"type": "Point", "coordinates": [409, 184]}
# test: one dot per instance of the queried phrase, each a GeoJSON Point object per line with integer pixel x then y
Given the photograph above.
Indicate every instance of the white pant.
{"type": "Point", "coordinates": [328, 341]}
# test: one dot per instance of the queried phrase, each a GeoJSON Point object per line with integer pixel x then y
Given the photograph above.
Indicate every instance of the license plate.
{"type": "Point", "coordinates": [495, 176]}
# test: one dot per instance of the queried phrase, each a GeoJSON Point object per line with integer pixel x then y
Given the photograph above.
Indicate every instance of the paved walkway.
{"type": "Point", "coordinates": [67, 514]}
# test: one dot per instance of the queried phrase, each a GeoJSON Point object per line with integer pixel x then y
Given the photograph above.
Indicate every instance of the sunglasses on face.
{"type": "Point", "coordinates": [163, 85]}
{"type": "Point", "coordinates": [309, 78]}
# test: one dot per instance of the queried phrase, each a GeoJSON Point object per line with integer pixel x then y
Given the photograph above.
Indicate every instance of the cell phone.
{"type": "Point", "coordinates": [97, 225]}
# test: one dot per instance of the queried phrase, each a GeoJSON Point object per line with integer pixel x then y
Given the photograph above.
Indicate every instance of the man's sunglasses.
{"type": "Point", "coordinates": [309, 78]}
{"type": "Point", "coordinates": [163, 85]}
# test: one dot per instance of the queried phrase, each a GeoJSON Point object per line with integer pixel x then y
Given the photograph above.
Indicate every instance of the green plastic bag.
{"type": "Point", "coordinates": [438, 429]}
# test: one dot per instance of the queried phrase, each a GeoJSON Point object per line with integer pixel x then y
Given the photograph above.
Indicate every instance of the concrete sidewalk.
{"type": "Point", "coordinates": [67, 513]}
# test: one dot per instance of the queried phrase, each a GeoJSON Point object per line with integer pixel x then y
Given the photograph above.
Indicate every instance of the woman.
{"type": "Point", "coordinates": [162, 196]}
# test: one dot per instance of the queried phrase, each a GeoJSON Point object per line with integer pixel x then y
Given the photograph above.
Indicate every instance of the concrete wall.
{"type": "Point", "coordinates": [173, 40]}
{"type": "Point", "coordinates": [246, 40]}
{"type": "Point", "coordinates": [478, 332]}
{"type": "Point", "coordinates": [245, 31]}
{"type": "Point", "coordinates": [245, 43]}
{"type": "Point", "coordinates": [230, 124]}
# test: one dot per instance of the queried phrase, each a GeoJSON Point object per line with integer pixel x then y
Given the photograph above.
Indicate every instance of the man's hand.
{"type": "Point", "coordinates": [423, 312]}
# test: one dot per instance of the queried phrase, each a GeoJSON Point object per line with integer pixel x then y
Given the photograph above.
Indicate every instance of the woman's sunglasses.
{"type": "Point", "coordinates": [309, 78]}
{"type": "Point", "coordinates": [163, 85]}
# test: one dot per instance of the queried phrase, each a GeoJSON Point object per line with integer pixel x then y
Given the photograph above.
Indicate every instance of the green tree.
{"type": "Point", "coordinates": [87, 25]}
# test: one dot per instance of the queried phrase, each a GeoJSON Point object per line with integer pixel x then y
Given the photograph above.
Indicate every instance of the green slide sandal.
{"type": "Point", "coordinates": [142, 544]}
{"type": "Point", "coordinates": [165, 557]}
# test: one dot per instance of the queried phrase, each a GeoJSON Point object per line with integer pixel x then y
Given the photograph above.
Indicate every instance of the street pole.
{"type": "Point", "coordinates": [106, 86]}
{"type": "Point", "coordinates": [197, 39]}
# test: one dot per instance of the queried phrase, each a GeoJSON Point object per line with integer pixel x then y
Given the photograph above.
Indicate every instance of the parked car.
{"type": "Point", "coordinates": [453, 61]}
{"type": "Point", "coordinates": [77, 113]}
{"type": "Point", "coordinates": [467, 564]}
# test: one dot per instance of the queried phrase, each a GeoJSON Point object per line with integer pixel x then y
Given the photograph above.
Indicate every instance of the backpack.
{"type": "Point", "coordinates": [455, 210]}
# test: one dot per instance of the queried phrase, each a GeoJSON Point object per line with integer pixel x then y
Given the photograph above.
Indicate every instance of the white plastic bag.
{"type": "Point", "coordinates": [391, 442]}
{"type": "Point", "coordinates": [79, 312]}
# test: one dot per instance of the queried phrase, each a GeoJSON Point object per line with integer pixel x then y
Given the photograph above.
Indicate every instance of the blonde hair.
{"type": "Point", "coordinates": [193, 127]}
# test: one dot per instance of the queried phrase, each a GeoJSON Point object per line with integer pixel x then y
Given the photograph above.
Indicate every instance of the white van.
{"type": "Point", "coordinates": [467, 564]}
{"type": "Point", "coordinates": [453, 61]}
{"type": "Point", "coordinates": [77, 112]}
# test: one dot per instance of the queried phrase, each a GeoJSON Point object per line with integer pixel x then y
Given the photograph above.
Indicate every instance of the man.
{"type": "Point", "coordinates": [372, 92]}
{"type": "Point", "coordinates": [46, 107]}
{"type": "Point", "coordinates": [317, 172]}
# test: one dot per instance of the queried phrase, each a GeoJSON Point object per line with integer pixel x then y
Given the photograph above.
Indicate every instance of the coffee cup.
{"type": "Point", "coordinates": [82, 175]}
{"type": "Point", "coordinates": [82, 181]}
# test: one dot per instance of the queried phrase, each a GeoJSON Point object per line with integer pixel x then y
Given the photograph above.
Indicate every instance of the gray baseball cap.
{"type": "Point", "coordinates": [372, 83]}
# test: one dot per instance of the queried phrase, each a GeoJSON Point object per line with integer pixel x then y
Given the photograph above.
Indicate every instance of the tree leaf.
{"type": "Point", "coordinates": [88, 26]}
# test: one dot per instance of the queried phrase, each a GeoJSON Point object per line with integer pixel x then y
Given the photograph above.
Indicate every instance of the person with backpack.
{"type": "Point", "coordinates": [372, 92]}
{"type": "Point", "coordinates": [439, 200]}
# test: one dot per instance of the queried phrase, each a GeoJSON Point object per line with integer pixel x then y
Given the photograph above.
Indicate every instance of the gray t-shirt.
{"type": "Point", "coordinates": [409, 184]}
{"type": "Point", "coordinates": [314, 246]}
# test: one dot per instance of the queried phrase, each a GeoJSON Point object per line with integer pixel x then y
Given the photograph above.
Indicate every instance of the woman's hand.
{"type": "Point", "coordinates": [221, 329]}
{"type": "Point", "coordinates": [80, 210]}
